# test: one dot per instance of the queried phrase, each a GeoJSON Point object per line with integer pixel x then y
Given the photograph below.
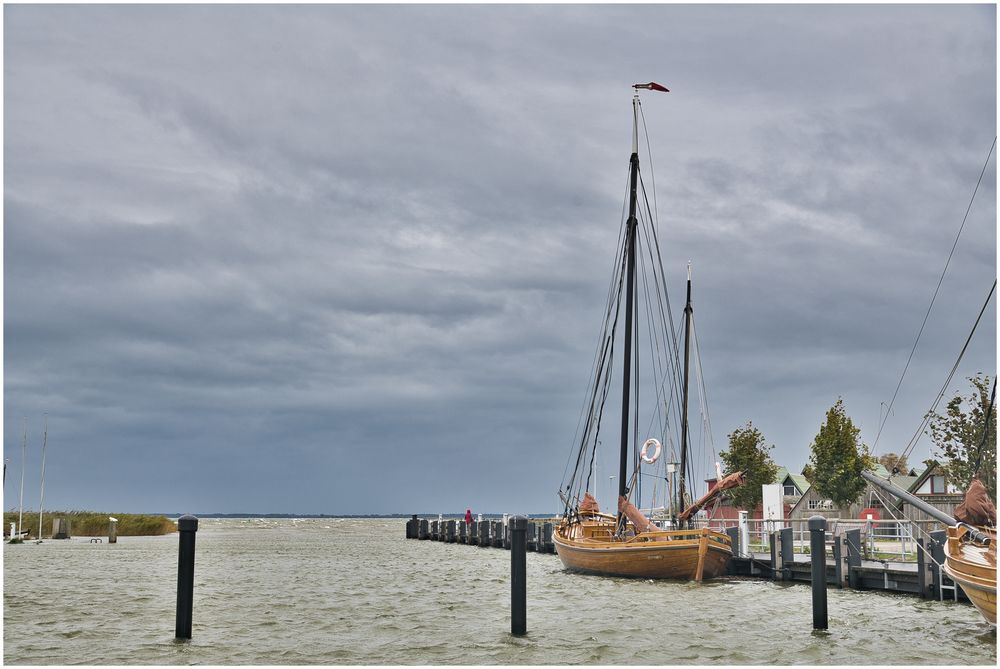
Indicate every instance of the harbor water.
{"type": "Point", "coordinates": [346, 591]}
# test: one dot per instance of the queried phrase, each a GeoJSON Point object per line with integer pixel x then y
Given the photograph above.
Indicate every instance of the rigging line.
{"type": "Point", "coordinates": [659, 371]}
{"type": "Point", "coordinates": [926, 420]}
{"type": "Point", "coordinates": [660, 293]}
{"type": "Point", "coordinates": [606, 387]}
{"type": "Point", "coordinates": [986, 430]}
{"type": "Point", "coordinates": [652, 178]}
{"type": "Point", "coordinates": [607, 311]}
{"type": "Point", "coordinates": [654, 346]}
{"type": "Point", "coordinates": [934, 296]}
{"type": "Point", "coordinates": [704, 389]}
{"type": "Point", "coordinates": [666, 295]}
{"type": "Point", "coordinates": [673, 338]}
{"type": "Point", "coordinates": [888, 505]}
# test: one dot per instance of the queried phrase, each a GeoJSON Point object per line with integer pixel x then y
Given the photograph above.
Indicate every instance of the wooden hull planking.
{"type": "Point", "coordinates": [587, 547]}
{"type": "Point", "coordinates": [974, 568]}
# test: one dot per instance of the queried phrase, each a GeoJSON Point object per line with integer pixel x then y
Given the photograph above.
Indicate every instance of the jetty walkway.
{"type": "Point", "coordinates": [847, 568]}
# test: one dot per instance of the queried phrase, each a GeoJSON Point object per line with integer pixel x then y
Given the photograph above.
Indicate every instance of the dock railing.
{"type": "Point", "coordinates": [885, 540]}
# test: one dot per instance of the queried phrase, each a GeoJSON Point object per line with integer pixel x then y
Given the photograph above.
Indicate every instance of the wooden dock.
{"type": "Point", "coordinates": [847, 568]}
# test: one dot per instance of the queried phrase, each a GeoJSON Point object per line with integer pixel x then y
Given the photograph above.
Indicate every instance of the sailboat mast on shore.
{"type": "Point", "coordinates": [20, 502]}
{"type": "Point", "coordinates": [41, 490]}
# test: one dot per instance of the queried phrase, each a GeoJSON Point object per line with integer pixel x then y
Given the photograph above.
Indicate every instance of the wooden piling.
{"type": "Point", "coordinates": [484, 533]}
{"type": "Point", "coordinates": [474, 533]}
{"type": "Point", "coordinates": [424, 532]}
{"type": "Point", "coordinates": [434, 530]}
{"type": "Point", "coordinates": [113, 531]}
{"type": "Point", "coordinates": [450, 532]}
{"type": "Point", "coordinates": [463, 532]}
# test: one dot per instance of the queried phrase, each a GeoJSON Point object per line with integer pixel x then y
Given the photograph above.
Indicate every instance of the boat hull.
{"type": "Point", "coordinates": [974, 568]}
{"type": "Point", "coordinates": [669, 555]}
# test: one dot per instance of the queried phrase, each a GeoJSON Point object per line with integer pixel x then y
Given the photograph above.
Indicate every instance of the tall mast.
{"type": "Point", "coordinates": [630, 228]}
{"type": "Point", "coordinates": [684, 410]}
{"type": "Point", "coordinates": [41, 493]}
{"type": "Point", "coordinates": [20, 503]}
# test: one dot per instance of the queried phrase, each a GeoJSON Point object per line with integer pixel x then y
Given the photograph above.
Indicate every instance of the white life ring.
{"type": "Point", "coordinates": [657, 448]}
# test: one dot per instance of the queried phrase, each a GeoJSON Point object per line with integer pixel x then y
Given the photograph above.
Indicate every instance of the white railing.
{"type": "Point", "coordinates": [882, 539]}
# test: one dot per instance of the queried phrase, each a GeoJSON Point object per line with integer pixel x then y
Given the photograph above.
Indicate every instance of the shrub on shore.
{"type": "Point", "coordinates": [93, 523]}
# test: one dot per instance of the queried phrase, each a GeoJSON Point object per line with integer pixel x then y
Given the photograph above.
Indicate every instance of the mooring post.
{"type": "Point", "coordinates": [424, 532]}
{"type": "Point", "coordinates": [817, 551]}
{"type": "Point", "coordinates": [484, 533]}
{"type": "Point", "coordinates": [187, 526]}
{"type": "Point", "coordinates": [734, 540]}
{"type": "Point", "coordinates": [474, 533]}
{"type": "Point", "coordinates": [925, 578]}
{"type": "Point", "coordinates": [462, 532]}
{"type": "Point", "coordinates": [112, 530]}
{"type": "Point", "coordinates": [787, 552]}
{"type": "Point", "coordinates": [519, 575]}
{"type": "Point", "coordinates": [838, 560]}
{"type": "Point", "coordinates": [775, 556]}
{"type": "Point", "coordinates": [937, 542]}
{"type": "Point", "coordinates": [853, 540]}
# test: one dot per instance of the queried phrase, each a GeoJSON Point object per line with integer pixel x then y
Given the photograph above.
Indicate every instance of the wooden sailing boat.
{"type": "Point", "coordinates": [629, 544]}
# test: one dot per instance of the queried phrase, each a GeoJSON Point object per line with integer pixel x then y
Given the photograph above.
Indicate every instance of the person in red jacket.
{"type": "Point", "coordinates": [468, 516]}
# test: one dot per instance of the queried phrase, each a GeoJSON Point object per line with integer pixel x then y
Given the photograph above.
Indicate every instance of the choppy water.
{"type": "Point", "coordinates": [356, 592]}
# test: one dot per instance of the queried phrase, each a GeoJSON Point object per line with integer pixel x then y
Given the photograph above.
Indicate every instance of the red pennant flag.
{"type": "Point", "coordinates": [652, 86]}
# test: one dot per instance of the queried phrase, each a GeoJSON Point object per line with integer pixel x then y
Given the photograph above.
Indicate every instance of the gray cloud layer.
{"type": "Point", "coordinates": [351, 259]}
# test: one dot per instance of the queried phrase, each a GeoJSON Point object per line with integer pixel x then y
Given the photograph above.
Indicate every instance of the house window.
{"type": "Point", "coordinates": [790, 489]}
{"type": "Point", "coordinates": [820, 504]}
{"type": "Point", "coordinates": [937, 485]}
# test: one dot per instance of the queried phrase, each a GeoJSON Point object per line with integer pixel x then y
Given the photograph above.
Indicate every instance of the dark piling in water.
{"type": "Point", "coordinates": [187, 526]}
{"type": "Point", "coordinates": [817, 551]}
{"type": "Point", "coordinates": [518, 576]}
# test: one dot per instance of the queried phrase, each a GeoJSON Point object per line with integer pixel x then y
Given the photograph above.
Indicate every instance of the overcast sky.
{"type": "Point", "coordinates": [350, 259]}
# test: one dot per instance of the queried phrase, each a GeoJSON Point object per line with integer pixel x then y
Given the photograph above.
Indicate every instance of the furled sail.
{"type": "Point", "coordinates": [977, 508]}
{"type": "Point", "coordinates": [734, 480]}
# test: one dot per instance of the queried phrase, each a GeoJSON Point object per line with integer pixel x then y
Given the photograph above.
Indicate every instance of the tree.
{"type": "Point", "coordinates": [809, 472]}
{"type": "Point", "coordinates": [891, 460]}
{"type": "Point", "coordinates": [958, 434]}
{"type": "Point", "coordinates": [838, 458]}
{"type": "Point", "coordinates": [749, 454]}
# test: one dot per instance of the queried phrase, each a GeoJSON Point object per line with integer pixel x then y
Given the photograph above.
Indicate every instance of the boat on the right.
{"type": "Point", "coordinates": [971, 551]}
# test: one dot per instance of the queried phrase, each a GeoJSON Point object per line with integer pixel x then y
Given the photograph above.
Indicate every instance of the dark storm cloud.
{"type": "Point", "coordinates": [349, 259]}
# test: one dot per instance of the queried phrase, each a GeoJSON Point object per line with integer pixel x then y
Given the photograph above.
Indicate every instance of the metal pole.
{"type": "Point", "coordinates": [518, 576]}
{"type": "Point", "coordinates": [817, 548]}
{"type": "Point", "coordinates": [187, 526]}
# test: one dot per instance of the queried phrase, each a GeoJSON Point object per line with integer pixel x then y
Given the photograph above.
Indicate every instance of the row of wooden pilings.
{"type": "Point", "coordinates": [485, 533]}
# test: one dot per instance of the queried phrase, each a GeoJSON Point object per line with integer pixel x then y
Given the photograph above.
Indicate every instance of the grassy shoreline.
{"type": "Point", "coordinates": [93, 523]}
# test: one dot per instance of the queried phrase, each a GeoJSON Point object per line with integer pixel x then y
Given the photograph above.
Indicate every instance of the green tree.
{"type": "Point", "coordinates": [838, 458]}
{"type": "Point", "coordinates": [890, 460]}
{"type": "Point", "coordinates": [809, 472]}
{"type": "Point", "coordinates": [748, 453]}
{"type": "Point", "coordinates": [958, 433]}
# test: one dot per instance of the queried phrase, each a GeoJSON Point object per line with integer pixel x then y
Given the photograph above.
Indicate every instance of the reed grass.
{"type": "Point", "coordinates": [93, 523]}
